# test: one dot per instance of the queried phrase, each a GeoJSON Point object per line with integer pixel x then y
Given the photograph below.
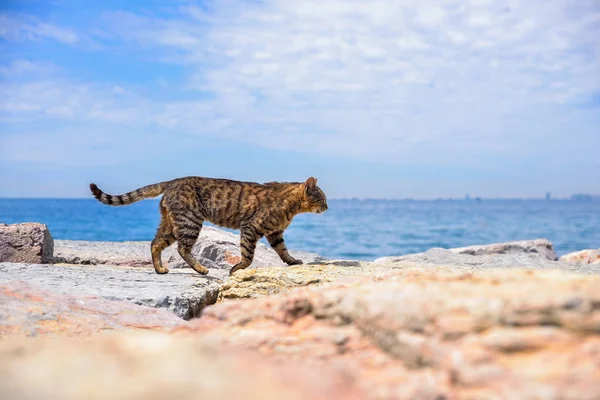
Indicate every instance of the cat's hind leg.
{"type": "Point", "coordinates": [187, 232]}
{"type": "Point", "coordinates": [163, 239]}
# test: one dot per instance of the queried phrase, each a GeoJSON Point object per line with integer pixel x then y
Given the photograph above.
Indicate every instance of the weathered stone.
{"type": "Point", "coordinates": [184, 292]}
{"type": "Point", "coordinates": [250, 283]}
{"type": "Point", "coordinates": [132, 254]}
{"type": "Point", "coordinates": [153, 366]}
{"type": "Point", "coordinates": [488, 261]}
{"type": "Point", "coordinates": [29, 242]}
{"type": "Point", "coordinates": [28, 311]}
{"type": "Point", "coordinates": [543, 247]}
{"type": "Point", "coordinates": [260, 282]}
{"type": "Point", "coordinates": [540, 247]}
{"type": "Point", "coordinates": [590, 256]}
{"type": "Point", "coordinates": [215, 249]}
{"type": "Point", "coordinates": [431, 332]}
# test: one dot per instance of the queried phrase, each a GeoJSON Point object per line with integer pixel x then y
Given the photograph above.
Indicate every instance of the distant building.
{"type": "Point", "coordinates": [585, 197]}
{"type": "Point", "coordinates": [548, 196]}
{"type": "Point", "coordinates": [467, 197]}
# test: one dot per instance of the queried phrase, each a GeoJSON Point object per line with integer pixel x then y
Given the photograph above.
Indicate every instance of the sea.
{"type": "Point", "coordinates": [351, 228]}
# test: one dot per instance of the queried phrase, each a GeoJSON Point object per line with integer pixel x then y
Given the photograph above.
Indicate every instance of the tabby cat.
{"type": "Point", "coordinates": [255, 209]}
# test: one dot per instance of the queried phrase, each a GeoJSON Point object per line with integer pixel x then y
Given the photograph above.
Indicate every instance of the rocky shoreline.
{"type": "Point", "coordinates": [508, 320]}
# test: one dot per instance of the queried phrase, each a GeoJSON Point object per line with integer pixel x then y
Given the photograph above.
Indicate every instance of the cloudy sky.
{"type": "Point", "coordinates": [393, 99]}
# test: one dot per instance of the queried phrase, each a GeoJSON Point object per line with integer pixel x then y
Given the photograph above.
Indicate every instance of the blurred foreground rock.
{"type": "Point", "coordinates": [364, 331]}
{"type": "Point", "coordinates": [28, 242]}
{"type": "Point", "coordinates": [432, 333]}
{"type": "Point", "coordinates": [154, 366]}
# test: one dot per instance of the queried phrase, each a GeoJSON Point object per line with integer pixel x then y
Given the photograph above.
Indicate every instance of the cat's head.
{"type": "Point", "coordinates": [314, 196]}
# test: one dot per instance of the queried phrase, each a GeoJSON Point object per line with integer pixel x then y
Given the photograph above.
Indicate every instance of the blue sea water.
{"type": "Point", "coordinates": [350, 229]}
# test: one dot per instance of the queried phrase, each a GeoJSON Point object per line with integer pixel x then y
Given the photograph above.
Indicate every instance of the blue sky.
{"type": "Point", "coordinates": [379, 99]}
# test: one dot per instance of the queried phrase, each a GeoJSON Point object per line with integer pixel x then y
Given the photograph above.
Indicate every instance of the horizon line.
{"type": "Point", "coordinates": [573, 197]}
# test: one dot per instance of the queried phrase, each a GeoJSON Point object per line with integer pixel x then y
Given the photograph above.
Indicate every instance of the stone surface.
{"type": "Point", "coordinates": [590, 256]}
{"type": "Point", "coordinates": [215, 249]}
{"type": "Point", "coordinates": [81, 252]}
{"type": "Point", "coordinates": [540, 247]}
{"type": "Point", "coordinates": [27, 242]}
{"type": "Point", "coordinates": [155, 366]}
{"type": "Point", "coordinates": [29, 311]}
{"type": "Point", "coordinates": [446, 257]}
{"type": "Point", "coordinates": [259, 282]}
{"type": "Point", "coordinates": [431, 332]}
{"type": "Point", "coordinates": [184, 292]}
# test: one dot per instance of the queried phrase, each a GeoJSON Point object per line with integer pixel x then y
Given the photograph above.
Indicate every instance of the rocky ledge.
{"type": "Point", "coordinates": [94, 321]}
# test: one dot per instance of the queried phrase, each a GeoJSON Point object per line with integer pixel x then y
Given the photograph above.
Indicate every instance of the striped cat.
{"type": "Point", "coordinates": [255, 209]}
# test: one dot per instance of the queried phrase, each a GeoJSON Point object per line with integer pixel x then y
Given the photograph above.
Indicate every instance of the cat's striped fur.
{"type": "Point", "coordinates": [255, 209]}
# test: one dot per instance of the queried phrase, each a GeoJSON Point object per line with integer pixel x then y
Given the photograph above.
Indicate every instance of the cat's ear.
{"type": "Point", "coordinates": [310, 183]}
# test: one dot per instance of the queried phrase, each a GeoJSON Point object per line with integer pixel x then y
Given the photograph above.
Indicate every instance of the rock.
{"type": "Point", "coordinates": [260, 282]}
{"type": "Point", "coordinates": [486, 261]}
{"type": "Point", "coordinates": [27, 242]}
{"type": "Point", "coordinates": [183, 292]}
{"type": "Point", "coordinates": [540, 247]}
{"type": "Point", "coordinates": [28, 311]}
{"type": "Point", "coordinates": [431, 332]}
{"type": "Point", "coordinates": [133, 254]}
{"type": "Point", "coordinates": [591, 256]}
{"type": "Point", "coordinates": [153, 366]}
{"type": "Point", "coordinates": [250, 283]}
{"type": "Point", "coordinates": [543, 247]}
{"type": "Point", "coordinates": [215, 248]}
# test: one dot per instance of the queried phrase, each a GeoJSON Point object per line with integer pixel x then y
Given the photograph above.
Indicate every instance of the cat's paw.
{"type": "Point", "coordinates": [296, 262]}
{"type": "Point", "coordinates": [162, 271]}
{"type": "Point", "coordinates": [236, 267]}
{"type": "Point", "coordinates": [202, 271]}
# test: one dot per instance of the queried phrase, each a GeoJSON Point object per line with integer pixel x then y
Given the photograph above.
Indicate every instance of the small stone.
{"type": "Point", "coordinates": [28, 242]}
{"type": "Point", "coordinates": [589, 256]}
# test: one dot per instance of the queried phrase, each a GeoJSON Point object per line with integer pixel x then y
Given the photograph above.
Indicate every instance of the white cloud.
{"type": "Point", "coordinates": [17, 27]}
{"type": "Point", "coordinates": [445, 82]}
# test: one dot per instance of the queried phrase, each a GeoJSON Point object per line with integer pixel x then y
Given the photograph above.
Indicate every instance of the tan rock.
{"type": "Point", "coordinates": [258, 282]}
{"type": "Point", "coordinates": [590, 256]}
{"type": "Point", "coordinates": [28, 242]}
{"type": "Point", "coordinates": [425, 333]}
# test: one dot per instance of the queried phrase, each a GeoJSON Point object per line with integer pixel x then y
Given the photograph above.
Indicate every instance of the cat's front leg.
{"type": "Point", "coordinates": [278, 244]}
{"type": "Point", "coordinates": [249, 236]}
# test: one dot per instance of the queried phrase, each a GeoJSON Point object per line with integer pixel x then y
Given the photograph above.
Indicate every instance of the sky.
{"type": "Point", "coordinates": [377, 99]}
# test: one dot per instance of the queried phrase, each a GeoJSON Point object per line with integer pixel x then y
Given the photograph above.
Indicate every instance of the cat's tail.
{"type": "Point", "coordinates": [128, 198]}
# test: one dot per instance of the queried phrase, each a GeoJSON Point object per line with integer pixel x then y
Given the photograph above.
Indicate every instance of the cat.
{"type": "Point", "coordinates": [255, 209]}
